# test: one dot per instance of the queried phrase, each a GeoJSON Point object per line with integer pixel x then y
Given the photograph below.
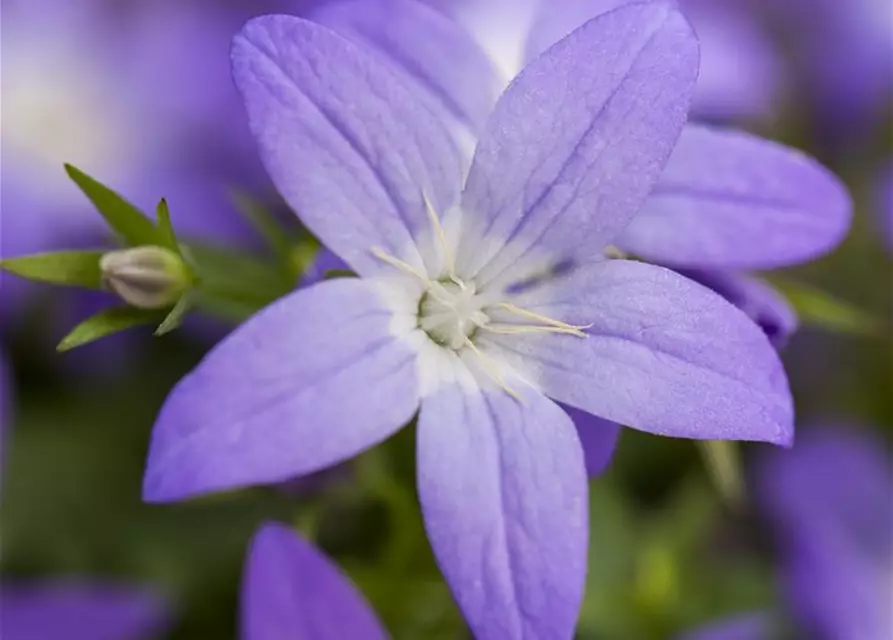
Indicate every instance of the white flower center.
{"type": "Point", "coordinates": [451, 312]}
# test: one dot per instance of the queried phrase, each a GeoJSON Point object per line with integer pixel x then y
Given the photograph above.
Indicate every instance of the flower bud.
{"type": "Point", "coordinates": [147, 277]}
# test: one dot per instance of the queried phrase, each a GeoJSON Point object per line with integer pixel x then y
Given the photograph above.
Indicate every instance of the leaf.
{"type": "Point", "coordinates": [823, 310]}
{"type": "Point", "coordinates": [66, 268]}
{"type": "Point", "coordinates": [104, 323]}
{"type": "Point", "coordinates": [175, 318]}
{"type": "Point", "coordinates": [123, 217]}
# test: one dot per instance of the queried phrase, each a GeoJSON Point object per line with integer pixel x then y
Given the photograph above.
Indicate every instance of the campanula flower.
{"type": "Point", "coordinates": [727, 203]}
{"type": "Point", "coordinates": [79, 611]}
{"type": "Point", "coordinates": [475, 304]}
{"type": "Point", "coordinates": [828, 500]}
{"type": "Point", "coordinates": [745, 627]}
{"type": "Point", "coordinates": [292, 590]}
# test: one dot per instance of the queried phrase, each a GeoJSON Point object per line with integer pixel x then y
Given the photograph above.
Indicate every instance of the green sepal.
{"type": "Point", "coordinates": [65, 268]}
{"type": "Point", "coordinates": [104, 323]}
{"type": "Point", "coordinates": [168, 236]}
{"type": "Point", "coordinates": [723, 463]}
{"type": "Point", "coordinates": [823, 310]}
{"type": "Point", "coordinates": [123, 217]}
{"type": "Point", "coordinates": [176, 316]}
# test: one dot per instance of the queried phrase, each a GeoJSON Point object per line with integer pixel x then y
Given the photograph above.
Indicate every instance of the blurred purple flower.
{"type": "Point", "coordinates": [830, 500]}
{"type": "Point", "coordinates": [95, 85]}
{"type": "Point", "coordinates": [477, 317]}
{"type": "Point", "coordinates": [292, 590]}
{"type": "Point", "coordinates": [884, 205]}
{"type": "Point", "coordinates": [79, 611]}
{"type": "Point", "coordinates": [753, 626]}
{"type": "Point", "coordinates": [844, 53]}
{"type": "Point", "coordinates": [740, 73]}
{"type": "Point", "coordinates": [727, 203]}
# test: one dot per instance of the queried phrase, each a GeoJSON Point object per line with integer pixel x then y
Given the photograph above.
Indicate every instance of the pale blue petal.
{"type": "Point", "coordinates": [577, 141]}
{"type": "Point", "coordinates": [350, 146]}
{"type": "Point", "coordinates": [663, 354]}
{"type": "Point", "coordinates": [504, 494]}
{"type": "Point", "coordinates": [311, 380]}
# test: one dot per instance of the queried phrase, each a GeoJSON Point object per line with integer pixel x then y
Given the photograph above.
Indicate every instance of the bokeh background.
{"type": "Point", "coordinates": [137, 93]}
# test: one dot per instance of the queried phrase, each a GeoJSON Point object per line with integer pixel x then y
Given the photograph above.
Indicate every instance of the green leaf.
{"type": "Point", "coordinates": [175, 318]}
{"type": "Point", "coordinates": [123, 217]}
{"type": "Point", "coordinates": [66, 268]}
{"type": "Point", "coordinates": [105, 323]}
{"type": "Point", "coordinates": [723, 462]}
{"type": "Point", "coordinates": [820, 309]}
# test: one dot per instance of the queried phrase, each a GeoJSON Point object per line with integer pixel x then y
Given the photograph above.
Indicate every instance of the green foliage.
{"type": "Point", "coordinates": [64, 268]}
{"type": "Point", "coordinates": [823, 310]}
{"type": "Point", "coordinates": [124, 218]}
{"type": "Point", "coordinates": [104, 323]}
{"type": "Point", "coordinates": [723, 463]}
{"type": "Point", "coordinates": [176, 317]}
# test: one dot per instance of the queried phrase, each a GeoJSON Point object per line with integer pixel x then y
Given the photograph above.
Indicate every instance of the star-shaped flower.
{"type": "Point", "coordinates": [479, 299]}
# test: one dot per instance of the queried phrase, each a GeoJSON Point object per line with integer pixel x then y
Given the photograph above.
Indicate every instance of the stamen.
{"type": "Point", "coordinates": [516, 329]}
{"type": "Point", "coordinates": [448, 258]}
{"type": "Point", "coordinates": [491, 370]}
{"type": "Point", "coordinates": [530, 315]}
{"type": "Point", "coordinates": [615, 253]}
{"type": "Point", "coordinates": [399, 264]}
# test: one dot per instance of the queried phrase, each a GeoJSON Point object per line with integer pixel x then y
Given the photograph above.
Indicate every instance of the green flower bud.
{"type": "Point", "coordinates": [146, 277]}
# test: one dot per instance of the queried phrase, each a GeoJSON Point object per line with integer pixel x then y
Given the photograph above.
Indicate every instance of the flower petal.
{"type": "Point", "coordinates": [663, 354]}
{"type": "Point", "coordinates": [577, 141]}
{"type": "Point", "coordinates": [311, 380]}
{"type": "Point", "coordinates": [292, 590]}
{"type": "Point", "coordinates": [731, 200]}
{"type": "Point", "coordinates": [757, 298]}
{"type": "Point", "coordinates": [598, 437]}
{"type": "Point", "coordinates": [553, 21]}
{"type": "Point", "coordinates": [504, 495]}
{"type": "Point", "coordinates": [431, 51]}
{"type": "Point", "coordinates": [79, 611]}
{"type": "Point", "coordinates": [349, 145]}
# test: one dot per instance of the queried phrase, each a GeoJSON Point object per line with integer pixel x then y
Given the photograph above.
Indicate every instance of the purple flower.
{"type": "Point", "coordinates": [79, 611]}
{"type": "Point", "coordinates": [291, 590]}
{"type": "Point", "coordinates": [829, 500]}
{"type": "Point", "coordinates": [475, 305]}
{"type": "Point", "coordinates": [728, 201]}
